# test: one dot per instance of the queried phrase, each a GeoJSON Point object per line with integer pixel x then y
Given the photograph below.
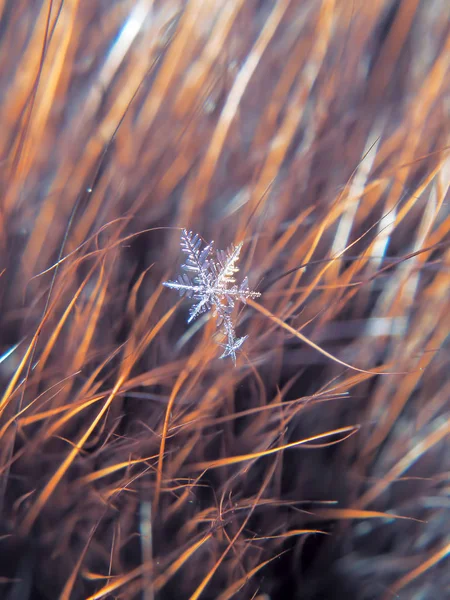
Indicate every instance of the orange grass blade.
{"type": "Point", "coordinates": [231, 460]}
{"type": "Point", "coordinates": [239, 584]}
{"type": "Point", "coordinates": [288, 534]}
{"type": "Point", "coordinates": [353, 513]}
{"type": "Point", "coordinates": [118, 582]}
{"type": "Point", "coordinates": [96, 475]}
{"type": "Point", "coordinates": [405, 463]}
{"type": "Point", "coordinates": [12, 384]}
{"type": "Point", "coordinates": [418, 571]}
{"type": "Point", "coordinates": [176, 388]}
{"type": "Point", "coordinates": [177, 564]}
{"type": "Point", "coordinates": [264, 311]}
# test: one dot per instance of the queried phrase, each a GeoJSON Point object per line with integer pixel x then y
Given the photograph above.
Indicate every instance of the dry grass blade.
{"type": "Point", "coordinates": [427, 564]}
{"type": "Point", "coordinates": [231, 460]}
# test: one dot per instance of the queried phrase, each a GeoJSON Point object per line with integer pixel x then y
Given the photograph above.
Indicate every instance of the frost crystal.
{"type": "Point", "coordinates": [210, 282]}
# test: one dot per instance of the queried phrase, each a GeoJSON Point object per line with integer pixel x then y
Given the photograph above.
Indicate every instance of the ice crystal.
{"type": "Point", "coordinates": [209, 280]}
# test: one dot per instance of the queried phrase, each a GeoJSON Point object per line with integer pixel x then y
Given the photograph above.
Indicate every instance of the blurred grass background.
{"type": "Point", "coordinates": [134, 463]}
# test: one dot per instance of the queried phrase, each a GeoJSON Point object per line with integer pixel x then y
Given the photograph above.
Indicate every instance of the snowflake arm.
{"type": "Point", "coordinates": [184, 286]}
{"type": "Point", "coordinates": [232, 347]}
{"type": "Point", "coordinates": [198, 309]}
{"type": "Point", "coordinates": [197, 261]}
{"type": "Point", "coordinates": [226, 264]}
{"type": "Point", "coordinates": [245, 292]}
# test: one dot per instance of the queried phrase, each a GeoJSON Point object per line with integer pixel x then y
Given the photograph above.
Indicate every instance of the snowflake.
{"type": "Point", "coordinates": [210, 282]}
